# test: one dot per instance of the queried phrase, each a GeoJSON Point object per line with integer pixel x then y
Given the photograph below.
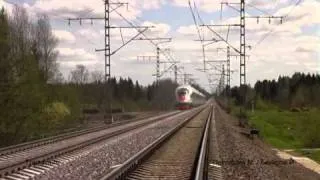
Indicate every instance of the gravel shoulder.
{"type": "Point", "coordinates": [99, 159]}
{"type": "Point", "coordinates": [244, 158]}
{"type": "Point", "coordinates": [175, 159]}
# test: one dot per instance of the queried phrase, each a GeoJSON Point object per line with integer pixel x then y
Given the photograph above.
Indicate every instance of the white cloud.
{"type": "Point", "coordinates": [6, 5]}
{"type": "Point", "coordinates": [159, 30]}
{"type": "Point", "coordinates": [64, 36]}
{"type": "Point", "coordinates": [155, 30]}
{"type": "Point", "coordinates": [203, 5]}
{"type": "Point", "coordinates": [77, 8]}
{"type": "Point", "coordinates": [88, 33]}
{"type": "Point", "coordinates": [304, 14]}
{"type": "Point", "coordinates": [286, 50]}
{"type": "Point", "coordinates": [82, 8]}
{"type": "Point", "coordinates": [271, 4]}
{"type": "Point", "coordinates": [187, 30]}
{"type": "Point", "coordinates": [75, 55]}
{"type": "Point", "coordinates": [151, 4]}
{"type": "Point", "coordinates": [209, 6]}
{"type": "Point", "coordinates": [185, 45]}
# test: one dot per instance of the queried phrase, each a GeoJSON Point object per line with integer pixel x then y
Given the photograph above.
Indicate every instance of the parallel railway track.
{"type": "Point", "coordinates": [181, 153]}
{"type": "Point", "coordinates": [49, 140]}
{"type": "Point", "coordinates": [20, 157]}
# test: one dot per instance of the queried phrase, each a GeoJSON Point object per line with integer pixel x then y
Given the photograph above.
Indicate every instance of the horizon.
{"type": "Point", "coordinates": [277, 50]}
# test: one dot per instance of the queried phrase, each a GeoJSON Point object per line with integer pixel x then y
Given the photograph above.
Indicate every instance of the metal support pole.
{"type": "Point", "coordinates": [242, 44]}
{"type": "Point", "coordinates": [175, 73]}
{"type": "Point", "coordinates": [223, 80]}
{"type": "Point", "coordinates": [228, 71]}
{"type": "Point", "coordinates": [108, 9]}
{"type": "Point", "coordinates": [242, 56]}
{"type": "Point", "coordinates": [228, 89]}
{"type": "Point", "coordinates": [107, 54]}
{"type": "Point", "coordinates": [107, 40]}
{"type": "Point", "coordinates": [158, 65]}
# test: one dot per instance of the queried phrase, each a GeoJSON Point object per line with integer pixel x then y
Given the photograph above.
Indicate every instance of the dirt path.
{"type": "Point", "coordinates": [305, 161]}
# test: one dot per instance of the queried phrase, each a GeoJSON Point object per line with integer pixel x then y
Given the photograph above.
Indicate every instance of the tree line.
{"type": "Point", "coordinates": [297, 91]}
{"type": "Point", "coordinates": [288, 108]}
{"type": "Point", "coordinates": [37, 101]}
{"type": "Point", "coordinates": [27, 64]}
{"type": "Point", "coordinates": [124, 92]}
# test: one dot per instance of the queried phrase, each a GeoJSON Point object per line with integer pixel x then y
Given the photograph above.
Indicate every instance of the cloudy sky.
{"type": "Point", "coordinates": [277, 49]}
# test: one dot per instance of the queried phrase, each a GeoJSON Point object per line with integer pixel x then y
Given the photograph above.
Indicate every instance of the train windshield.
{"type": "Point", "coordinates": [182, 92]}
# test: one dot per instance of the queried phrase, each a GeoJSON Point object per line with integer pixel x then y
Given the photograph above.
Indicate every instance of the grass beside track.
{"type": "Point", "coordinates": [285, 129]}
{"type": "Point", "coordinates": [315, 155]}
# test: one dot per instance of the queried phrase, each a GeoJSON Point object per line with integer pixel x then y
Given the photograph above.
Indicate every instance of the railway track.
{"type": "Point", "coordinates": [20, 157]}
{"type": "Point", "coordinates": [32, 144]}
{"type": "Point", "coordinates": [214, 168]}
{"type": "Point", "coordinates": [181, 153]}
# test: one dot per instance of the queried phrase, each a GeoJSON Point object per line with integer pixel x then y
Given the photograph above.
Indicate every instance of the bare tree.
{"type": "Point", "coordinates": [37, 38]}
{"type": "Point", "coordinates": [57, 78]}
{"type": "Point", "coordinates": [44, 44]}
{"type": "Point", "coordinates": [19, 39]}
{"type": "Point", "coordinates": [80, 75]}
{"type": "Point", "coordinates": [97, 76]}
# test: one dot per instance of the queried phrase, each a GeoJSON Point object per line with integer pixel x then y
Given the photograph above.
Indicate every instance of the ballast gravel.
{"type": "Point", "coordinates": [99, 159]}
{"type": "Point", "coordinates": [245, 158]}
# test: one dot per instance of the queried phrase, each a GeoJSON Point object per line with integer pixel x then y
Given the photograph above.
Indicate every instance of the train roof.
{"type": "Point", "coordinates": [190, 88]}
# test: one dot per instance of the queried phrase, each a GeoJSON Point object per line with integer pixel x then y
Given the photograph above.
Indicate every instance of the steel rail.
{"type": "Point", "coordinates": [11, 168]}
{"type": "Point", "coordinates": [44, 141]}
{"type": "Point", "coordinates": [122, 171]}
{"type": "Point", "coordinates": [202, 160]}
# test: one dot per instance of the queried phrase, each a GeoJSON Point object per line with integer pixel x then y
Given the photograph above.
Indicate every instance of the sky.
{"type": "Point", "coordinates": [276, 49]}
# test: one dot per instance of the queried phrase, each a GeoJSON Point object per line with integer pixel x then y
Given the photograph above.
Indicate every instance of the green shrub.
{"type": "Point", "coordinates": [56, 113]}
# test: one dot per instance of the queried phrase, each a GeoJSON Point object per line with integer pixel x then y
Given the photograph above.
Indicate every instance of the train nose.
{"type": "Point", "coordinates": [182, 98]}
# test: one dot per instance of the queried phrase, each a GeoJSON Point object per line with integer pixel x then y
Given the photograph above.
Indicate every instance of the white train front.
{"type": "Point", "coordinates": [188, 97]}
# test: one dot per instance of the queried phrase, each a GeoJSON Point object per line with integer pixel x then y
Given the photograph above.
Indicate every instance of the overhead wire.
{"type": "Point", "coordinates": [258, 9]}
{"type": "Point", "coordinates": [168, 56]}
{"type": "Point", "coordinates": [272, 30]}
{"type": "Point", "coordinates": [198, 30]}
{"type": "Point", "coordinates": [203, 45]}
{"type": "Point", "coordinates": [195, 22]}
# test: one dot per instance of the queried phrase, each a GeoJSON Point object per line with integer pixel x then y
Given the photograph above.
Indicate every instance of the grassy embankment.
{"type": "Point", "coordinates": [285, 129]}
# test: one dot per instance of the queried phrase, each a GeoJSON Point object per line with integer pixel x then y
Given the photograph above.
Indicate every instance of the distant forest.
{"type": "Point", "coordinates": [125, 94]}
{"type": "Point", "coordinates": [298, 91]}
{"type": "Point", "coordinates": [36, 100]}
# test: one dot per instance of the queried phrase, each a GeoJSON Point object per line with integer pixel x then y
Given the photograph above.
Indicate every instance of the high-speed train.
{"type": "Point", "coordinates": [188, 97]}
